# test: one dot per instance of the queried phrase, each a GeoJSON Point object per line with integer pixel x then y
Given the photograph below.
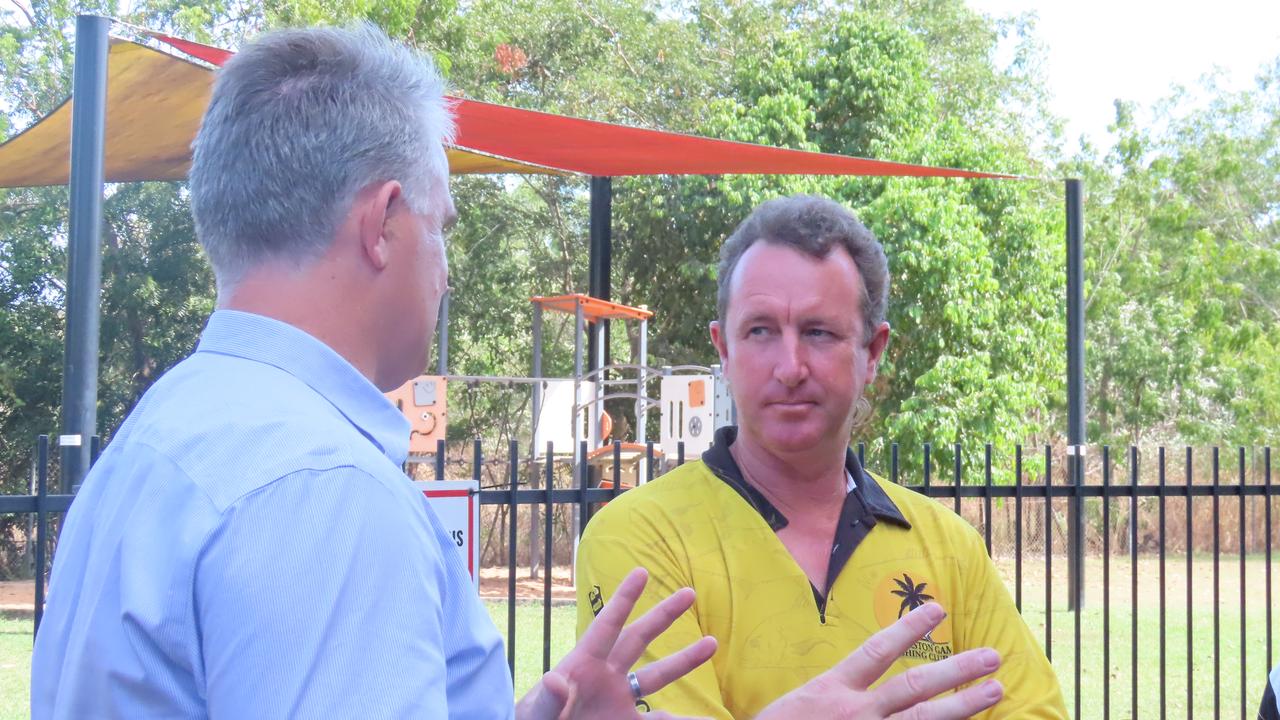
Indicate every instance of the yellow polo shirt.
{"type": "Point", "coordinates": [702, 526]}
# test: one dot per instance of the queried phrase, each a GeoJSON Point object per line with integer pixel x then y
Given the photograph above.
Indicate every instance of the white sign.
{"type": "Point", "coordinates": [457, 505]}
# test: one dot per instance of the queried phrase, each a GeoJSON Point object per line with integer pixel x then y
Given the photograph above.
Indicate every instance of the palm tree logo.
{"type": "Point", "coordinates": [913, 596]}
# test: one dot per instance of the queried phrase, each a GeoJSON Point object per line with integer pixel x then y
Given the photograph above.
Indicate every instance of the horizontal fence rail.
{"type": "Point", "coordinates": [1133, 646]}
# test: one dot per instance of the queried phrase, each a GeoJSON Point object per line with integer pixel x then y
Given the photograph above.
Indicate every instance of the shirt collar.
{"type": "Point", "coordinates": [280, 345]}
{"type": "Point", "coordinates": [721, 462]}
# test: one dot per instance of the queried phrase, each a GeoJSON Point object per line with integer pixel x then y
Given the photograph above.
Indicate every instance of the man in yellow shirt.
{"type": "Point", "coordinates": [797, 554]}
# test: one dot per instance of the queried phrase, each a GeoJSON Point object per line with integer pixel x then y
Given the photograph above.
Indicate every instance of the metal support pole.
{"type": "Point", "coordinates": [579, 333]}
{"type": "Point", "coordinates": [642, 407]}
{"type": "Point", "coordinates": [84, 263]}
{"type": "Point", "coordinates": [1075, 388]}
{"type": "Point", "coordinates": [597, 403]}
{"type": "Point", "coordinates": [536, 557]}
{"type": "Point", "coordinates": [600, 257]}
{"type": "Point", "coordinates": [537, 371]}
{"type": "Point", "coordinates": [579, 445]}
{"type": "Point", "coordinates": [442, 334]}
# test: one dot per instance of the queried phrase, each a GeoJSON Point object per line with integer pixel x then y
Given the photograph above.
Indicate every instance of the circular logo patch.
{"type": "Point", "coordinates": [902, 592]}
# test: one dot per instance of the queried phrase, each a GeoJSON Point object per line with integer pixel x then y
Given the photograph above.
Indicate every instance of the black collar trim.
{"type": "Point", "coordinates": [721, 463]}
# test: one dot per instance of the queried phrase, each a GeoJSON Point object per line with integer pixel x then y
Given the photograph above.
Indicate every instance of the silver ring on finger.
{"type": "Point", "coordinates": [634, 682]}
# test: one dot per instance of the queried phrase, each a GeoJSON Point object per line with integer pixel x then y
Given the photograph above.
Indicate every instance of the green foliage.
{"type": "Point", "coordinates": [1184, 263]}
{"type": "Point", "coordinates": [976, 276]}
{"type": "Point", "coordinates": [157, 289]}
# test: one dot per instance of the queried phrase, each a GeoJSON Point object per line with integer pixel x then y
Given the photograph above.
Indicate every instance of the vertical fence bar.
{"type": "Point", "coordinates": [648, 464]}
{"type": "Point", "coordinates": [584, 470]}
{"type": "Point", "coordinates": [1106, 582]}
{"type": "Point", "coordinates": [862, 454]}
{"type": "Point", "coordinates": [1163, 639]}
{"type": "Point", "coordinates": [1266, 454]}
{"type": "Point", "coordinates": [986, 499]}
{"type": "Point", "coordinates": [928, 466]}
{"type": "Point", "coordinates": [548, 560]}
{"type": "Point", "coordinates": [1076, 566]}
{"type": "Point", "coordinates": [1217, 620]}
{"type": "Point", "coordinates": [1017, 526]}
{"type": "Point", "coordinates": [1190, 478]}
{"type": "Point", "coordinates": [42, 527]}
{"type": "Point", "coordinates": [893, 463]}
{"type": "Point", "coordinates": [1244, 683]}
{"type": "Point", "coordinates": [1133, 580]}
{"type": "Point", "coordinates": [957, 468]}
{"type": "Point", "coordinates": [1048, 552]}
{"type": "Point", "coordinates": [513, 476]}
{"type": "Point", "coordinates": [440, 459]}
{"type": "Point", "coordinates": [680, 453]}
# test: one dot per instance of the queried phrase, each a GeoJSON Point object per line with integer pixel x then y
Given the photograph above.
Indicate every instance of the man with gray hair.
{"type": "Point", "coordinates": [798, 554]}
{"type": "Point", "coordinates": [248, 546]}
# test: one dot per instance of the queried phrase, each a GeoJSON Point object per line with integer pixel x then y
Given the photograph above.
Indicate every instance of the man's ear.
{"type": "Point", "coordinates": [377, 208]}
{"type": "Point", "coordinates": [875, 350]}
{"type": "Point", "coordinates": [720, 341]}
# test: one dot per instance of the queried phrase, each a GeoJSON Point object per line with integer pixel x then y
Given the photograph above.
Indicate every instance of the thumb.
{"type": "Point", "coordinates": [546, 701]}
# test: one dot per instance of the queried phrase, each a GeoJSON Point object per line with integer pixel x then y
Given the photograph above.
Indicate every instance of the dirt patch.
{"type": "Point", "coordinates": [17, 597]}
{"type": "Point", "coordinates": [494, 585]}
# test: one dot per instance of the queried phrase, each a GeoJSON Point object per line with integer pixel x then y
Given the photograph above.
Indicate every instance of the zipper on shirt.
{"type": "Point", "coordinates": [821, 602]}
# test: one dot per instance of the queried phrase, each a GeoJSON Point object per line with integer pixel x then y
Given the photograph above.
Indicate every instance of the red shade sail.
{"type": "Point", "coordinates": [155, 102]}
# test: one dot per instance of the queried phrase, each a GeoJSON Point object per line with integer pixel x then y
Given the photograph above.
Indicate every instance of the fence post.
{"type": "Point", "coordinates": [42, 519]}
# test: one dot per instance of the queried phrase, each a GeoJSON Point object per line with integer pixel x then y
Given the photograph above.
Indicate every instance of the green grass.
{"type": "Point", "coordinates": [529, 637]}
{"type": "Point", "coordinates": [15, 667]}
{"type": "Point", "coordinates": [1120, 674]}
{"type": "Point", "coordinates": [15, 645]}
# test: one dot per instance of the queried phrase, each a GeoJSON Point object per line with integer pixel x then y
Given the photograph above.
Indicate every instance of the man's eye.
{"type": "Point", "coordinates": [758, 330]}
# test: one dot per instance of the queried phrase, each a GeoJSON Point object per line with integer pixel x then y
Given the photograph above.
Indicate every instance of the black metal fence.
{"type": "Point", "coordinates": [1132, 647]}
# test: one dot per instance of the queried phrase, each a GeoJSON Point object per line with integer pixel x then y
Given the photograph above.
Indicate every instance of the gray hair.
{"type": "Point", "coordinates": [812, 225]}
{"type": "Point", "coordinates": [299, 122]}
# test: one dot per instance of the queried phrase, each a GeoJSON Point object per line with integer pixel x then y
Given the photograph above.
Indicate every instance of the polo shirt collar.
{"type": "Point", "coordinates": [722, 465]}
{"type": "Point", "coordinates": [262, 339]}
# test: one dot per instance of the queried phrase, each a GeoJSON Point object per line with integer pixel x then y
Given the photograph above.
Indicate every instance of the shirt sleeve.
{"type": "Point", "coordinates": [988, 617]}
{"type": "Point", "coordinates": [1270, 708]}
{"type": "Point", "coordinates": [321, 596]}
{"type": "Point", "coordinates": [618, 540]}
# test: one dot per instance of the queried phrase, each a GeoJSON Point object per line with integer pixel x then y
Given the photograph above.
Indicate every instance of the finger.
{"type": "Point", "coordinates": [547, 700]}
{"type": "Point", "coordinates": [637, 636]}
{"type": "Point", "coordinates": [662, 672]}
{"type": "Point", "coordinates": [966, 703]}
{"type": "Point", "coordinates": [866, 664]}
{"type": "Point", "coordinates": [601, 635]}
{"type": "Point", "coordinates": [926, 681]}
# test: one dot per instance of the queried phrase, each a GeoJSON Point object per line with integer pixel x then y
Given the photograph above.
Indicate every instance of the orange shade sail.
{"type": "Point", "coordinates": [593, 309]}
{"type": "Point", "coordinates": [155, 101]}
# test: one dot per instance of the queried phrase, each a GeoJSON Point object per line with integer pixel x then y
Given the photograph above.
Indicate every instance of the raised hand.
{"type": "Point", "coordinates": [843, 691]}
{"type": "Point", "coordinates": [592, 681]}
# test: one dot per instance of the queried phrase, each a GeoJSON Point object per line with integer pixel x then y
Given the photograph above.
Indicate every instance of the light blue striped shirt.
{"type": "Point", "coordinates": [248, 547]}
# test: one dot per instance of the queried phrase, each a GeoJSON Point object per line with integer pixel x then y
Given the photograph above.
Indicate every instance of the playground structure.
{"type": "Point", "coordinates": [568, 414]}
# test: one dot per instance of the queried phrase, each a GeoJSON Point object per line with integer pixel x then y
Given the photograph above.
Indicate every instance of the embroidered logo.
{"type": "Point", "coordinates": [903, 592]}
{"type": "Point", "coordinates": [597, 599]}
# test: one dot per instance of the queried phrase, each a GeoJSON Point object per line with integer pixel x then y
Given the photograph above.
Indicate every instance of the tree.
{"type": "Point", "coordinates": [1183, 256]}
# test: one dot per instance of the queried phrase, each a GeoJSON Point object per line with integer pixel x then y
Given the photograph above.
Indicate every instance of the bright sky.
{"type": "Point", "coordinates": [1101, 50]}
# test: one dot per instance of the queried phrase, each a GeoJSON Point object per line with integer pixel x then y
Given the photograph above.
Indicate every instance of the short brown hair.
{"type": "Point", "coordinates": [812, 225]}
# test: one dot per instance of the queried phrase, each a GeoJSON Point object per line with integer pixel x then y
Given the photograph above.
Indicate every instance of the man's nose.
{"type": "Point", "coordinates": [791, 367]}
